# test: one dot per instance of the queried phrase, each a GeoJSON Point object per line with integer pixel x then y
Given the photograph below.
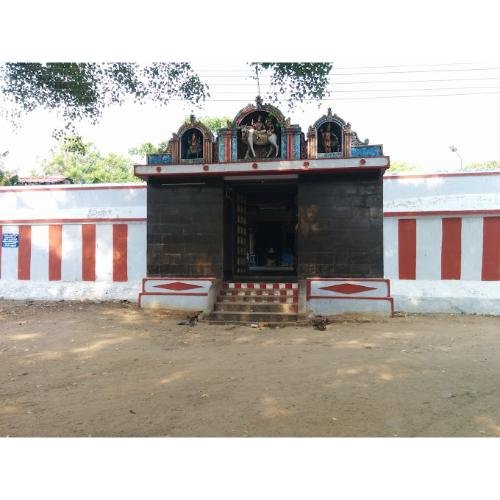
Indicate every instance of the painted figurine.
{"type": "Point", "coordinates": [330, 140]}
{"type": "Point", "coordinates": [194, 146]}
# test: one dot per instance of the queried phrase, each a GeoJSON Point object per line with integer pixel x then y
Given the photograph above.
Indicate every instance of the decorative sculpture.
{"type": "Point", "coordinates": [254, 134]}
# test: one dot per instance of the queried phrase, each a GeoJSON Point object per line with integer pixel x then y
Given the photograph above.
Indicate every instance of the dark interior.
{"type": "Point", "coordinates": [261, 228]}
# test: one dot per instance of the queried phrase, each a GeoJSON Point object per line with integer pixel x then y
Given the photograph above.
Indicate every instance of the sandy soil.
{"type": "Point", "coordinates": [85, 369]}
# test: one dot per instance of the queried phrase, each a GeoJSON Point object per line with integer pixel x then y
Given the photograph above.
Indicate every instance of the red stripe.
{"type": "Point", "coordinates": [176, 294]}
{"type": "Point", "coordinates": [425, 176]}
{"type": "Point", "coordinates": [301, 170]}
{"type": "Point", "coordinates": [451, 249]}
{"type": "Point", "coordinates": [491, 249]}
{"type": "Point", "coordinates": [70, 188]}
{"type": "Point", "coordinates": [227, 148]}
{"type": "Point", "coordinates": [120, 236]}
{"type": "Point", "coordinates": [442, 213]}
{"type": "Point", "coordinates": [407, 240]}
{"type": "Point", "coordinates": [88, 252]}
{"type": "Point", "coordinates": [55, 245]}
{"type": "Point", "coordinates": [24, 258]}
{"type": "Point", "coordinates": [74, 221]}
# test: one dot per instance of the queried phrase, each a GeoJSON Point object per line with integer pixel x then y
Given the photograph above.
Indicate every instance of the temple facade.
{"type": "Point", "coordinates": [264, 221]}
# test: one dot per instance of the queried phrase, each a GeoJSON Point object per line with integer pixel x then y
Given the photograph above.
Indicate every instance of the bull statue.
{"type": "Point", "coordinates": [254, 135]}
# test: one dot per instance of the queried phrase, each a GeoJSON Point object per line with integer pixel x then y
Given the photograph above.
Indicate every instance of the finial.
{"type": "Point", "coordinates": [258, 102]}
{"type": "Point", "coordinates": [192, 118]}
{"type": "Point", "coordinates": [329, 114]}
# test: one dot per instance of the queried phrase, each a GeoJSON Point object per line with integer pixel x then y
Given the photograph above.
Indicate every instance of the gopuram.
{"type": "Point", "coordinates": [265, 222]}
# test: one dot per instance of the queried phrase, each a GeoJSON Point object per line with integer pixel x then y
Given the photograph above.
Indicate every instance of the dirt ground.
{"type": "Point", "coordinates": [112, 369]}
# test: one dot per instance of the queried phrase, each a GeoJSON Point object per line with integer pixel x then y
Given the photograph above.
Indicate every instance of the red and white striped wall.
{"type": "Point", "coordinates": [74, 252]}
{"type": "Point", "coordinates": [442, 242]}
{"type": "Point", "coordinates": [423, 246]}
{"type": "Point", "coordinates": [73, 241]}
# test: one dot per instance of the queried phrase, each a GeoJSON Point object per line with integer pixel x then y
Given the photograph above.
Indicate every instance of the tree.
{"type": "Point", "coordinates": [484, 165]}
{"type": "Point", "coordinates": [402, 166]}
{"type": "Point", "coordinates": [84, 90]}
{"type": "Point", "coordinates": [7, 178]}
{"type": "Point", "coordinates": [82, 163]}
{"type": "Point", "coordinates": [148, 148]}
{"type": "Point", "coordinates": [299, 81]}
{"type": "Point", "coordinates": [215, 123]}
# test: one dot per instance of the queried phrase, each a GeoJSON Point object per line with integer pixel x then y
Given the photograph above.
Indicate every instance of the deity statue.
{"type": "Point", "coordinates": [330, 140]}
{"type": "Point", "coordinates": [260, 132]}
{"type": "Point", "coordinates": [194, 146]}
{"type": "Point", "coordinates": [269, 127]}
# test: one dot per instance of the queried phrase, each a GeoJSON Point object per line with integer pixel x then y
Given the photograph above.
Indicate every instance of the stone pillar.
{"type": "Point", "coordinates": [312, 146]}
{"type": "Point", "coordinates": [234, 145]}
{"type": "Point", "coordinates": [175, 145]}
{"type": "Point", "coordinates": [207, 150]}
{"type": "Point", "coordinates": [292, 142]}
{"type": "Point", "coordinates": [346, 141]}
{"type": "Point", "coordinates": [225, 136]}
{"type": "Point", "coordinates": [283, 144]}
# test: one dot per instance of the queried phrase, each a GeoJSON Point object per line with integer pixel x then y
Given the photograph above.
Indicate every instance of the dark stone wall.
{"type": "Point", "coordinates": [340, 231]}
{"type": "Point", "coordinates": [185, 228]}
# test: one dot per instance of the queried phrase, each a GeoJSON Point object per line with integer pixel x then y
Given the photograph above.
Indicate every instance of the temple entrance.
{"type": "Point", "coordinates": [260, 230]}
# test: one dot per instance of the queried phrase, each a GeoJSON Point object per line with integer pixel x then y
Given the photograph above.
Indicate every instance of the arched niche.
{"type": "Point", "coordinates": [327, 137]}
{"type": "Point", "coordinates": [263, 118]}
{"type": "Point", "coordinates": [193, 143]}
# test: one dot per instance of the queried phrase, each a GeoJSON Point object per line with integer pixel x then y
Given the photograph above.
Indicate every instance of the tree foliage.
{"type": "Point", "coordinates": [484, 165]}
{"type": "Point", "coordinates": [148, 148]}
{"type": "Point", "coordinates": [297, 81]}
{"type": "Point", "coordinates": [402, 166]}
{"type": "Point", "coordinates": [215, 123]}
{"type": "Point", "coordinates": [7, 178]}
{"type": "Point", "coordinates": [83, 163]}
{"type": "Point", "coordinates": [84, 90]}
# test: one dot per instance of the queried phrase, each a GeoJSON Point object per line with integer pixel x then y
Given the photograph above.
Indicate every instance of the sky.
{"type": "Point", "coordinates": [397, 66]}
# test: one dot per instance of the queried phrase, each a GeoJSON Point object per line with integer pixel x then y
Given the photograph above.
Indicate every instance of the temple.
{"type": "Point", "coordinates": [265, 222]}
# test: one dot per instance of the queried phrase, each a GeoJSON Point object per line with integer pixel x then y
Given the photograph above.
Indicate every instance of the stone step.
{"type": "Point", "coordinates": [259, 299]}
{"type": "Point", "coordinates": [252, 317]}
{"type": "Point", "coordinates": [255, 307]}
{"type": "Point", "coordinates": [280, 324]}
{"type": "Point", "coordinates": [253, 292]}
{"type": "Point", "coordinates": [260, 286]}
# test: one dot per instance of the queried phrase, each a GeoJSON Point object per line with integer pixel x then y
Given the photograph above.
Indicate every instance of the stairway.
{"type": "Point", "coordinates": [268, 303]}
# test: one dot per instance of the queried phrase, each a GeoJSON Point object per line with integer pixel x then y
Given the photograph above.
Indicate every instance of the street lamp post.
{"type": "Point", "coordinates": [455, 150]}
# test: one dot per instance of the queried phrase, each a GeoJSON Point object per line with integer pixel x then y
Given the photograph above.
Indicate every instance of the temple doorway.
{"type": "Point", "coordinates": [260, 230]}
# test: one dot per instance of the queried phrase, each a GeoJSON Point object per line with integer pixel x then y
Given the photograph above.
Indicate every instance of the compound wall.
{"type": "Point", "coordinates": [72, 242]}
{"type": "Point", "coordinates": [441, 242]}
